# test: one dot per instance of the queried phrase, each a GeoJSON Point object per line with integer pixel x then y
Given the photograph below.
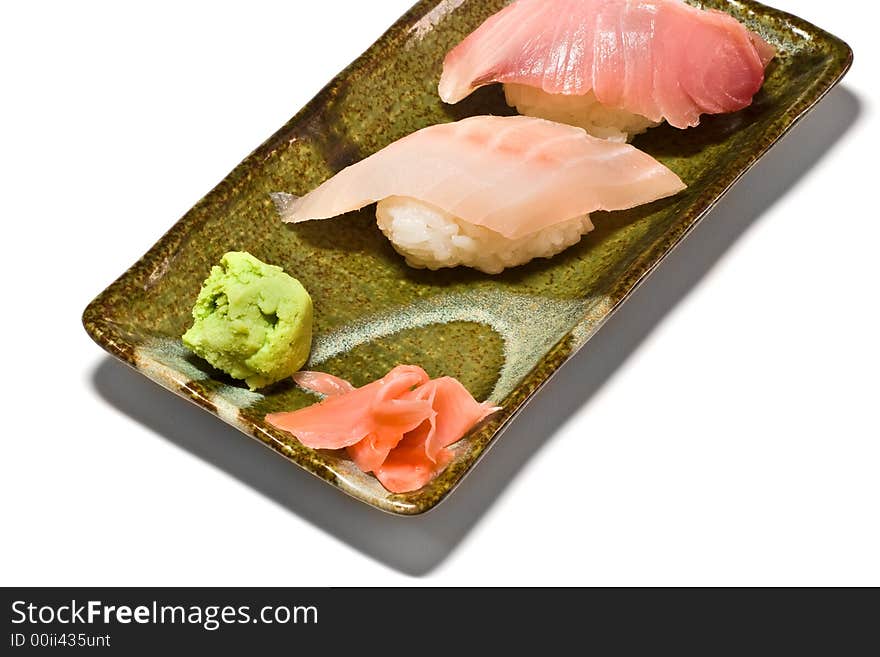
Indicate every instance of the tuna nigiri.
{"type": "Point", "coordinates": [398, 427]}
{"type": "Point", "coordinates": [488, 192]}
{"type": "Point", "coordinates": [613, 67]}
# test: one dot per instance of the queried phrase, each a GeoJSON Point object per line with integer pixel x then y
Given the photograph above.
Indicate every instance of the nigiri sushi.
{"type": "Point", "coordinates": [488, 192]}
{"type": "Point", "coordinates": [398, 427]}
{"type": "Point", "coordinates": [612, 67]}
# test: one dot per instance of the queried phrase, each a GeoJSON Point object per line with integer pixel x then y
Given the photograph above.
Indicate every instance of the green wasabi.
{"type": "Point", "coordinates": [252, 321]}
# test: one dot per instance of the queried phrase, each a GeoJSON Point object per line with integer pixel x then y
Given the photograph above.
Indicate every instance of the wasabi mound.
{"type": "Point", "coordinates": [252, 321]}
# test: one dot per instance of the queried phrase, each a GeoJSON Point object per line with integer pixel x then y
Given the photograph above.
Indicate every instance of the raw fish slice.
{"type": "Point", "coordinates": [660, 59]}
{"type": "Point", "coordinates": [765, 51]}
{"type": "Point", "coordinates": [375, 409]}
{"type": "Point", "coordinates": [514, 175]}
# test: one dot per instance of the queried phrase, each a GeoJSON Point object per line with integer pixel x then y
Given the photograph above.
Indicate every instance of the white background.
{"type": "Point", "coordinates": [721, 429]}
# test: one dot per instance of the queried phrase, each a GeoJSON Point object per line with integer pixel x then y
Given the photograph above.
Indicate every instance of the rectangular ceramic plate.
{"type": "Point", "coordinates": [502, 336]}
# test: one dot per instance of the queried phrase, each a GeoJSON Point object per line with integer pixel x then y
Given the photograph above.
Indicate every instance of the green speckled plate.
{"type": "Point", "coordinates": [503, 336]}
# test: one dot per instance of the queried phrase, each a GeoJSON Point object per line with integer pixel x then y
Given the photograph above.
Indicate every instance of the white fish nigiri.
{"type": "Point", "coordinates": [488, 192]}
{"type": "Point", "coordinates": [613, 67]}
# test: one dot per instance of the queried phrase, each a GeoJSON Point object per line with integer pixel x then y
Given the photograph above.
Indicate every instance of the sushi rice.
{"type": "Point", "coordinates": [582, 111]}
{"type": "Point", "coordinates": [431, 238]}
